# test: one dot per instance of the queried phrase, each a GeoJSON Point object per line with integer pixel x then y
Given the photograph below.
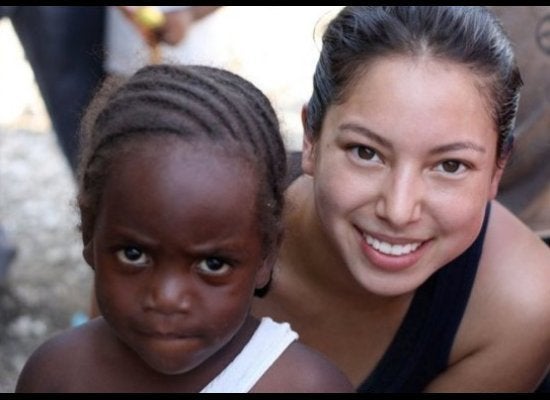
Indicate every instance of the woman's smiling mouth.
{"type": "Point", "coordinates": [391, 249]}
{"type": "Point", "coordinates": [391, 255]}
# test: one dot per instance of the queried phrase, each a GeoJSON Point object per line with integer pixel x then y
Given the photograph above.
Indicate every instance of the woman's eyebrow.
{"type": "Point", "coordinates": [467, 145]}
{"type": "Point", "coordinates": [458, 146]}
{"type": "Point", "coordinates": [349, 126]}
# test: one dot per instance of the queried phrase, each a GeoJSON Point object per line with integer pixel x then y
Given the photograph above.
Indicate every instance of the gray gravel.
{"type": "Point", "coordinates": [48, 282]}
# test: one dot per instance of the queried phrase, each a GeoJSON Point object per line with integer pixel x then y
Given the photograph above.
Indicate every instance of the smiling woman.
{"type": "Point", "coordinates": [397, 263]}
{"type": "Point", "coordinates": [418, 132]}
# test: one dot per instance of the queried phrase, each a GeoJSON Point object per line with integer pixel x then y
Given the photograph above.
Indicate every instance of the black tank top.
{"type": "Point", "coordinates": [420, 349]}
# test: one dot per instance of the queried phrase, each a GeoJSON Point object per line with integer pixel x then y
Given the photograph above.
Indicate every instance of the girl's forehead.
{"type": "Point", "coordinates": [172, 171]}
{"type": "Point", "coordinates": [181, 168]}
{"type": "Point", "coordinates": [160, 145]}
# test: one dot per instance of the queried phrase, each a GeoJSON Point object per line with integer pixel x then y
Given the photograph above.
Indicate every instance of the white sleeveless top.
{"type": "Point", "coordinates": [265, 346]}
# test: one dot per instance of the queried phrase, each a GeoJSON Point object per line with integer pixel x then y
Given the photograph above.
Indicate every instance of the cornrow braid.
{"type": "Point", "coordinates": [192, 102]}
{"type": "Point", "coordinates": [271, 146]}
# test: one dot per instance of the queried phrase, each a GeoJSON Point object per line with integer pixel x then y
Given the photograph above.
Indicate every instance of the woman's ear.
{"type": "Point", "coordinates": [88, 253]}
{"type": "Point", "coordinates": [308, 146]}
{"type": "Point", "coordinates": [497, 176]}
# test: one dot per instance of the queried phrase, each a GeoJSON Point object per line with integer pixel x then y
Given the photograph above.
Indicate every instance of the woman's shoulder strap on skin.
{"type": "Point", "coordinates": [421, 347]}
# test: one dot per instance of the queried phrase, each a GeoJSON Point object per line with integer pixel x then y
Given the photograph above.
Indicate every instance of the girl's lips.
{"type": "Point", "coordinates": [166, 332]}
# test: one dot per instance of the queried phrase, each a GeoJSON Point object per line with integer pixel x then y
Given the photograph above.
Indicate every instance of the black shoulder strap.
{"type": "Point", "coordinates": [420, 349]}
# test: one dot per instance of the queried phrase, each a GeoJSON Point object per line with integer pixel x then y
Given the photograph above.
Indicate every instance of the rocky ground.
{"type": "Point", "coordinates": [48, 282]}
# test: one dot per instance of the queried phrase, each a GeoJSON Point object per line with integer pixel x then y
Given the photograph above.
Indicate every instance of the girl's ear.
{"type": "Point", "coordinates": [264, 273]}
{"type": "Point", "coordinates": [308, 146]}
{"type": "Point", "coordinates": [88, 253]}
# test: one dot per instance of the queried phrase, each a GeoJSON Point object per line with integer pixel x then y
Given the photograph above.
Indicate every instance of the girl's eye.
{"type": "Point", "coordinates": [214, 266]}
{"type": "Point", "coordinates": [451, 167]}
{"type": "Point", "coordinates": [133, 256]}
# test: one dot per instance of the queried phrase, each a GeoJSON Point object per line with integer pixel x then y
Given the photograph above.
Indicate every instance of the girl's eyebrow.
{"type": "Point", "coordinates": [134, 234]}
{"type": "Point", "coordinates": [467, 145]}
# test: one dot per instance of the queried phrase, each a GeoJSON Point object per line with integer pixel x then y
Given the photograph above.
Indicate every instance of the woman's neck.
{"type": "Point", "coordinates": [313, 257]}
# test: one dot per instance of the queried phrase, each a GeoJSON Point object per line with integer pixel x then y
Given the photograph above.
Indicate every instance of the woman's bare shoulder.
{"type": "Point", "coordinates": [514, 272]}
{"type": "Point", "coordinates": [514, 252]}
{"type": "Point", "coordinates": [301, 369]}
{"type": "Point", "coordinates": [508, 314]}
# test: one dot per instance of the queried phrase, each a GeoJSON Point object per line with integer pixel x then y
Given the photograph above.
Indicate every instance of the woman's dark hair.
{"type": "Point", "coordinates": [193, 103]}
{"type": "Point", "coordinates": [470, 36]}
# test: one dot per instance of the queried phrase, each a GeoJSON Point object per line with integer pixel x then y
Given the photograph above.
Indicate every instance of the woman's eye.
{"type": "Point", "coordinates": [133, 255]}
{"type": "Point", "coordinates": [365, 153]}
{"type": "Point", "coordinates": [451, 166]}
{"type": "Point", "coordinates": [214, 266]}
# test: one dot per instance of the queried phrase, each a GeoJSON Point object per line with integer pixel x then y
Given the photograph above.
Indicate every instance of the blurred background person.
{"type": "Point", "coordinates": [139, 35]}
{"type": "Point", "coordinates": [64, 47]}
{"type": "Point", "coordinates": [275, 47]}
{"type": "Point", "coordinates": [525, 186]}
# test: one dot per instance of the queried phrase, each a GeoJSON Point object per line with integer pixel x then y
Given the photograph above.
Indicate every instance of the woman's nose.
{"type": "Point", "coordinates": [400, 200]}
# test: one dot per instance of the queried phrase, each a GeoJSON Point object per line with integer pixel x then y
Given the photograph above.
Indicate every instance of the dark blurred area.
{"type": "Point", "coordinates": [525, 186]}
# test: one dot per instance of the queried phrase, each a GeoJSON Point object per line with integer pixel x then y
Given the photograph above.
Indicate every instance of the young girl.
{"type": "Point", "coordinates": [397, 262]}
{"type": "Point", "coordinates": [180, 193]}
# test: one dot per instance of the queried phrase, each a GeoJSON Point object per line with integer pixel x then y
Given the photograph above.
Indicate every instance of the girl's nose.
{"type": "Point", "coordinates": [170, 292]}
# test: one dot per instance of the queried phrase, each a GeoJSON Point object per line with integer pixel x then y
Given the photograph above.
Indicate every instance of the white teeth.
{"type": "Point", "coordinates": [392, 249]}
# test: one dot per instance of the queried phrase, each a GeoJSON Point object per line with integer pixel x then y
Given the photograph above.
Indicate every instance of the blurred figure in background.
{"type": "Point", "coordinates": [64, 47]}
{"type": "Point", "coordinates": [140, 35]}
{"type": "Point", "coordinates": [525, 187]}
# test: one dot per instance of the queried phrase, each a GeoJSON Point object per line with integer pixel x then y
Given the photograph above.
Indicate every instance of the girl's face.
{"type": "Point", "coordinates": [403, 170]}
{"type": "Point", "coordinates": [177, 251]}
